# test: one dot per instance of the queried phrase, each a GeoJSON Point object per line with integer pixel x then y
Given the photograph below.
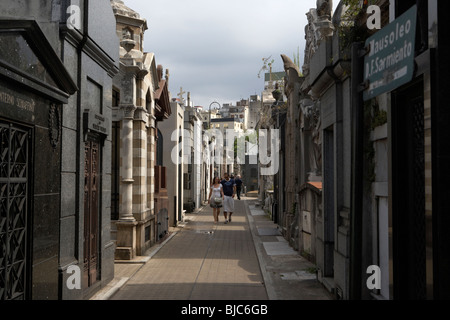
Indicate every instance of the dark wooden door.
{"type": "Point", "coordinates": [91, 212]}
{"type": "Point", "coordinates": [15, 158]}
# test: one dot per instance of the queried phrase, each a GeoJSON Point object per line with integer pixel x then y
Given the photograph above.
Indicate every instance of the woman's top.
{"type": "Point", "coordinates": [216, 191]}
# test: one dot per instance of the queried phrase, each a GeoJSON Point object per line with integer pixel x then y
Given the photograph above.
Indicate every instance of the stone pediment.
{"type": "Point", "coordinates": [27, 58]}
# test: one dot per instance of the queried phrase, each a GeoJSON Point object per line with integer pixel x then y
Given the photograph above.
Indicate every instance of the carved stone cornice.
{"type": "Point", "coordinates": [41, 47]}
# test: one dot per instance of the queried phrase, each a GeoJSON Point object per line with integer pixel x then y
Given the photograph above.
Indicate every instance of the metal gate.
{"type": "Point", "coordinates": [91, 211]}
{"type": "Point", "coordinates": [408, 157]}
{"type": "Point", "coordinates": [14, 210]}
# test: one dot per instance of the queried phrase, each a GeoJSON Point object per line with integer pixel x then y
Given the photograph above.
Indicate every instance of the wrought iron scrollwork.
{"type": "Point", "coordinates": [14, 197]}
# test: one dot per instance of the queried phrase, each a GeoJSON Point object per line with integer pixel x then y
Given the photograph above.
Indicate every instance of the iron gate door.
{"type": "Point", "coordinates": [91, 205]}
{"type": "Point", "coordinates": [14, 209]}
{"type": "Point", "coordinates": [409, 236]}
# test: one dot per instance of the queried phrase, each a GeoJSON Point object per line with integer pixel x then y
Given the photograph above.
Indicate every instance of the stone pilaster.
{"type": "Point", "coordinates": [126, 214]}
{"type": "Point", "coordinates": [126, 226]}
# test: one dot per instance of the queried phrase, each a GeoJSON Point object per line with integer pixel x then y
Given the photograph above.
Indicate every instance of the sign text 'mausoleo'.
{"type": "Point", "coordinates": [390, 62]}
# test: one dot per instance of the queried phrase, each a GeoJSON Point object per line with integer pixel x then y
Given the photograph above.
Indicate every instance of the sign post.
{"type": "Point", "coordinates": [389, 63]}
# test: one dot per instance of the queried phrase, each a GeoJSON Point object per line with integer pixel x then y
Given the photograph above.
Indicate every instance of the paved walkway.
{"type": "Point", "coordinates": [246, 259]}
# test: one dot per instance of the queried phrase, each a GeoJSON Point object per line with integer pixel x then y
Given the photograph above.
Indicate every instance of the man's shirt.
{"type": "Point", "coordinates": [228, 187]}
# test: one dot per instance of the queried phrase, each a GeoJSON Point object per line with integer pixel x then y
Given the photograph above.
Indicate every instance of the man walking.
{"type": "Point", "coordinates": [229, 190]}
{"type": "Point", "coordinates": [239, 184]}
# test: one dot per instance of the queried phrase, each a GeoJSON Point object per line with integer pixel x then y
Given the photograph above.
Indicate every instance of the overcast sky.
{"type": "Point", "coordinates": [214, 49]}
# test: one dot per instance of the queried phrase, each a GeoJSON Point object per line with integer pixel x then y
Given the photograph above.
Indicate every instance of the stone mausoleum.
{"type": "Point", "coordinates": [55, 147]}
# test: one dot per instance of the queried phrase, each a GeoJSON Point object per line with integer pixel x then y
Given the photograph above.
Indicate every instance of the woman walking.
{"type": "Point", "coordinates": [216, 193]}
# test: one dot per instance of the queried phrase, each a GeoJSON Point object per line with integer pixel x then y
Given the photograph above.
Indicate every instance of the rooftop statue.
{"type": "Point", "coordinates": [324, 8]}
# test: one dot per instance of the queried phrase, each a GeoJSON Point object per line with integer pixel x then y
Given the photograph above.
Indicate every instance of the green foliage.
{"type": "Point", "coordinates": [373, 117]}
{"type": "Point", "coordinates": [353, 28]}
{"type": "Point", "coordinates": [297, 61]}
{"type": "Point", "coordinates": [294, 207]}
{"type": "Point", "coordinates": [312, 270]}
{"type": "Point", "coordinates": [376, 116]}
{"type": "Point", "coordinates": [379, 118]}
{"type": "Point", "coordinates": [297, 58]}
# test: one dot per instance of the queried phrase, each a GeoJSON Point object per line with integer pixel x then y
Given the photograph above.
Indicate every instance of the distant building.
{"type": "Point", "coordinates": [172, 131]}
{"type": "Point", "coordinates": [206, 115]}
{"type": "Point", "coordinates": [193, 151]}
{"type": "Point", "coordinates": [273, 78]}
{"type": "Point", "coordinates": [254, 112]}
{"type": "Point", "coordinates": [227, 161]}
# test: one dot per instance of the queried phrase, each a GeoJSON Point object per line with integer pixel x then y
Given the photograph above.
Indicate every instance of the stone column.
{"type": "Point", "coordinates": [140, 209]}
{"type": "Point", "coordinates": [127, 107]}
{"type": "Point", "coordinates": [126, 226]}
{"type": "Point", "coordinates": [140, 163]}
{"type": "Point", "coordinates": [126, 214]}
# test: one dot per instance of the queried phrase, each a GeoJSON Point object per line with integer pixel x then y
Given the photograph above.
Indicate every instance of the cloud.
{"type": "Point", "coordinates": [214, 49]}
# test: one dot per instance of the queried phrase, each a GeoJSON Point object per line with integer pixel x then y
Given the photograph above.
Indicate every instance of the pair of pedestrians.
{"type": "Point", "coordinates": [222, 194]}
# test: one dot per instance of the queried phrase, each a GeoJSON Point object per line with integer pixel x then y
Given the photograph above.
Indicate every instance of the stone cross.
{"type": "Point", "coordinates": [167, 74]}
{"type": "Point", "coordinates": [180, 95]}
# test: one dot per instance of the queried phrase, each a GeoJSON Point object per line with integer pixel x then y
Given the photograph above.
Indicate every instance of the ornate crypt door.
{"type": "Point", "coordinates": [408, 195]}
{"type": "Point", "coordinates": [91, 212]}
{"type": "Point", "coordinates": [15, 155]}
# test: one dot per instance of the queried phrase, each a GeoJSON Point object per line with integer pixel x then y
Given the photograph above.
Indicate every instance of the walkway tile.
{"type": "Point", "coordinates": [278, 249]}
{"type": "Point", "coordinates": [247, 259]}
{"type": "Point", "coordinates": [204, 261]}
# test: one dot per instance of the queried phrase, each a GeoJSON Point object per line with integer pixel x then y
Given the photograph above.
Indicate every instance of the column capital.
{"type": "Point", "coordinates": [141, 114]}
{"type": "Point", "coordinates": [128, 111]}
